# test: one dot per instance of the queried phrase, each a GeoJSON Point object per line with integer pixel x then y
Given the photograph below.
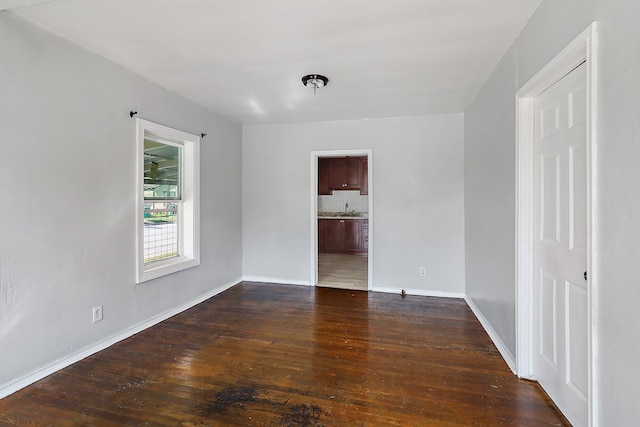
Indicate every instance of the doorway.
{"type": "Point", "coordinates": [341, 218]}
{"type": "Point", "coordinates": [556, 239]}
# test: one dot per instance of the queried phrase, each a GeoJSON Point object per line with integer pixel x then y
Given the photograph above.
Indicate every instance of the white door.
{"type": "Point", "coordinates": [560, 245]}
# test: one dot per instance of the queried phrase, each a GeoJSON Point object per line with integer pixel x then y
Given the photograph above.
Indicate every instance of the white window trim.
{"type": "Point", "coordinates": [189, 215]}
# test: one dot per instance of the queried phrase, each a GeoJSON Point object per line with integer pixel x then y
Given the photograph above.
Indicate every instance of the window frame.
{"type": "Point", "coordinates": [188, 207]}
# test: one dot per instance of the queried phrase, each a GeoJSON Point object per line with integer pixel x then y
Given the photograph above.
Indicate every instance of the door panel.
{"type": "Point", "coordinates": [324, 187]}
{"type": "Point", "coordinates": [549, 121]}
{"type": "Point", "coordinates": [560, 248]}
{"type": "Point", "coordinates": [352, 235]}
{"type": "Point", "coordinates": [578, 107]}
{"type": "Point", "coordinates": [549, 209]}
{"type": "Point", "coordinates": [353, 172]}
{"type": "Point", "coordinates": [577, 360]}
{"type": "Point", "coordinates": [549, 321]}
{"type": "Point", "coordinates": [578, 199]}
{"type": "Point", "coordinates": [333, 235]}
{"type": "Point", "coordinates": [338, 174]}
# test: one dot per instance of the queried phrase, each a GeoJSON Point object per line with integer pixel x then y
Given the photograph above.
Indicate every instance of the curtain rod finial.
{"type": "Point", "coordinates": [132, 113]}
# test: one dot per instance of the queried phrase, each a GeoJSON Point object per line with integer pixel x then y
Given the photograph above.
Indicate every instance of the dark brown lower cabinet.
{"type": "Point", "coordinates": [343, 235]}
{"type": "Point", "coordinates": [332, 236]}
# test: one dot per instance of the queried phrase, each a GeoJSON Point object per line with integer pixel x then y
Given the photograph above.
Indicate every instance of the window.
{"type": "Point", "coordinates": [168, 200]}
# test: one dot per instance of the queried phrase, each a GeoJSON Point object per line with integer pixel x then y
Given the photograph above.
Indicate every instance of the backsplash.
{"type": "Point", "coordinates": [336, 202]}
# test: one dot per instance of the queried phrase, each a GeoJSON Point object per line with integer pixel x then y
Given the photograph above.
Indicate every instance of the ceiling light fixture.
{"type": "Point", "coordinates": [315, 81]}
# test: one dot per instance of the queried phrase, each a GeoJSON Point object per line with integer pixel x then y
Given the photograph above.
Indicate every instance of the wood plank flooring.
{"type": "Point", "coordinates": [343, 271]}
{"type": "Point", "coordinates": [279, 355]}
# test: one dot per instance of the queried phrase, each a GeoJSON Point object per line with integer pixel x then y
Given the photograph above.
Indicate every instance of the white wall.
{"type": "Point", "coordinates": [418, 198]}
{"type": "Point", "coordinates": [67, 200]}
{"type": "Point", "coordinates": [490, 192]}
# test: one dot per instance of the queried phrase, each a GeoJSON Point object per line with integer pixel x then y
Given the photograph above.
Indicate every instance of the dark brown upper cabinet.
{"type": "Point", "coordinates": [323, 176]}
{"type": "Point", "coordinates": [342, 173]}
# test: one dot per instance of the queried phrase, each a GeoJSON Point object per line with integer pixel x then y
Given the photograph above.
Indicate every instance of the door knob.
{"type": "Point", "coordinates": [585, 275]}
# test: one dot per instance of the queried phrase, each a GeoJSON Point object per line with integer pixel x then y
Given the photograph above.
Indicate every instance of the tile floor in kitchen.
{"type": "Point", "coordinates": [343, 271]}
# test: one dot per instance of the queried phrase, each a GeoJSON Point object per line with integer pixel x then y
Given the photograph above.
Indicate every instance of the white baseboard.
{"type": "Point", "coordinates": [497, 341]}
{"type": "Point", "coordinates": [417, 292]}
{"type": "Point", "coordinates": [19, 383]}
{"type": "Point", "coordinates": [263, 279]}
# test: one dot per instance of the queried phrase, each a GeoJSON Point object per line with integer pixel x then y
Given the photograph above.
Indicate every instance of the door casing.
{"type": "Point", "coordinates": [582, 49]}
{"type": "Point", "coordinates": [368, 152]}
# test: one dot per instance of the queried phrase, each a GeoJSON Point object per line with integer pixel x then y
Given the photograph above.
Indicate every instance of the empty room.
{"type": "Point", "coordinates": [275, 213]}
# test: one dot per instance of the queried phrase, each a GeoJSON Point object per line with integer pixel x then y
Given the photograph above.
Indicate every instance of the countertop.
{"type": "Point", "coordinates": [343, 215]}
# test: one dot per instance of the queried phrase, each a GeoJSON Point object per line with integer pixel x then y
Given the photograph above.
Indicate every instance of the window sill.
{"type": "Point", "coordinates": [163, 268]}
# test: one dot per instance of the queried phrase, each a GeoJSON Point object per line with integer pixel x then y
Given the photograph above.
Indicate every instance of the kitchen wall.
{"type": "Point", "coordinates": [490, 179]}
{"type": "Point", "coordinates": [337, 201]}
{"type": "Point", "coordinates": [416, 181]}
{"type": "Point", "coordinates": [68, 202]}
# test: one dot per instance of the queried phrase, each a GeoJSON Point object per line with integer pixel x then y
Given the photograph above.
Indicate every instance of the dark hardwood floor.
{"type": "Point", "coordinates": [277, 355]}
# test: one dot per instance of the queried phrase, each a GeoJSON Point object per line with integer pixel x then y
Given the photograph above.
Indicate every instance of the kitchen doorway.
{"type": "Point", "coordinates": [341, 219]}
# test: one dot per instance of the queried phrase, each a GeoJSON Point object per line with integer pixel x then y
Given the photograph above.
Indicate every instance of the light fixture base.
{"type": "Point", "coordinates": [316, 81]}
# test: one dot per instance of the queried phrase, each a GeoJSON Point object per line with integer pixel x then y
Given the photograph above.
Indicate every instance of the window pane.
{"type": "Point", "coordinates": [161, 171]}
{"type": "Point", "coordinates": [160, 231]}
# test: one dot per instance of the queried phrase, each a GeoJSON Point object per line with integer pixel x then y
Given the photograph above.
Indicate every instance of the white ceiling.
{"type": "Point", "coordinates": [244, 59]}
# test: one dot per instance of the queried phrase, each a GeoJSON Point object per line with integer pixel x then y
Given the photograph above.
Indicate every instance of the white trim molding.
{"type": "Point", "coordinates": [582, 49]}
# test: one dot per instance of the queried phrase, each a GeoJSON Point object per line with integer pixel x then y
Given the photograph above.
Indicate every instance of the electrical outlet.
{"type": "Point", "coordinates": [423, 271]}
{"type": "Point", "coordinates": [97, 313]}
